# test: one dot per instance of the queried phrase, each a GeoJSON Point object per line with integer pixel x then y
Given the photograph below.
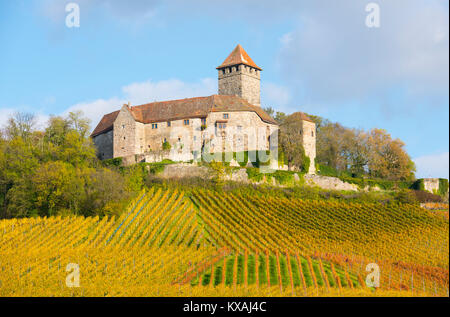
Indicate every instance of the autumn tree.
{"type": "Point", "coordinates": [387, 158]}
{"type": "Point", "coordinates": [290, 141]}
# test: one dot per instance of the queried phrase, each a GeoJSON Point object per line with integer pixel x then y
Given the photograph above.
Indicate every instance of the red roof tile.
{"type": "Point", "coordinates": [106, 123]}
{"type": "Point", "coordinates": [299, 115]}
{"type": "Point", "coordinates": [197, 107]}
{"type": "Point", "coordinates": [238, 56]}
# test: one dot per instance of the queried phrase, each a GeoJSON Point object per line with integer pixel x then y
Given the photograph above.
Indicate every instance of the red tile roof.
{"type": "Point", "coordinates": [106, 123]}
{"type": "Point", "coordinates": [238, 56]}
{"type": "Point", "coordinates": [197, 107]}
{"type": "Point", "coordinates": [299, 115]}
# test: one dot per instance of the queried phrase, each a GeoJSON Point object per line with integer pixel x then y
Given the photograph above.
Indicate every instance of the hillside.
{"type": "Point", "coordinates": [174, 243]}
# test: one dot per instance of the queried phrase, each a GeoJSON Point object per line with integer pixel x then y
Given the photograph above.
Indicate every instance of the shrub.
{"type": "Point", "coordinates": [166, 146]}
{"type": "Point", "coordinates": [406, 196]}
{"type": "Point", "coordinates": [117, 161]}
{"type": "Point", "coordinates": [425, 197]}
{"type": "Point", "coordinates": [283, 177]}
{"type": "Point", "coordinates": [443, 186]}
{"type": "Point", "coordinates": [254, 174]}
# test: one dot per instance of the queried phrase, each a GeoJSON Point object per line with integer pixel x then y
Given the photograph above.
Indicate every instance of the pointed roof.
{"type": "Point", "coordinates": [238, 56]}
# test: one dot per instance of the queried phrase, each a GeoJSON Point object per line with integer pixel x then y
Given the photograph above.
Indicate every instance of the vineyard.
{"type": "Point", "coordinates": [205, 243]}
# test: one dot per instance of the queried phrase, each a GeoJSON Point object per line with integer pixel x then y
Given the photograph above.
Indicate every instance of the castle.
{"type": "Point", "coordinates": [180, 130]}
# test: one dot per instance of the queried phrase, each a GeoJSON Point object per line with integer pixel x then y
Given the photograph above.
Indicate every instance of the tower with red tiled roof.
{"type": "Point", "coordinates": [240, 76]}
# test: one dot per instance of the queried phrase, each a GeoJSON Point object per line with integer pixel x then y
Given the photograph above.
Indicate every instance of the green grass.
{"type": "Point", "coordinates": [262, 270]}
{"type": "Point", "coordinates": [251, 276]}
{"type": "Point", "coordinates": [273, 274]}
{"type": "Point", "coordinates": [252, 261]}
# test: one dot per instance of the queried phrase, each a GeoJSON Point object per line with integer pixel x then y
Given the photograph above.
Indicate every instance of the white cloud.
{"type": "Point", "coordinates": [138, 93]}
{"type": "Point", "coordinates": [145, 92]}
{"type": "Point", "coordinates": [334, 56]}
{"type": "Point", "coordinates": [432, 165]}
{"type": "Point", "coordinates": [6, 113]}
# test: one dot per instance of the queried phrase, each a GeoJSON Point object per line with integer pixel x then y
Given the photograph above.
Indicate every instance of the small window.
{"type": "Point", "coordinates": [179, 139]}
{"type": "Point", "coordinates": [154, 126]}
{"type": "Point", "coordinates": [124, 138]}
{"type": "Point", "coordinates": [123, 126]}
{"type": "Point", "coordinates": [169, 123]}
{"type": "Point", "coordinates": [186, 122]}
{"type": "Point", "coordinates": [225, 115]}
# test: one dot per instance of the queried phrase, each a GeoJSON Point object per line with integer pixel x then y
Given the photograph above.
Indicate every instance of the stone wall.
{"type": "Point", "coordinates": [104, 144]}
{"type": "Point", "coordinates": [242, 81]}
{"type": "Point", "coordinates": [431, 184]}
{"type": "Point", "coordinates": [182, 170]}
{"type": "Point", "coordinates": [309, 143]}
{"type": "Point", "coordinates": [125, 135]}
{"type": "Point", "coordinates": [327, 182]}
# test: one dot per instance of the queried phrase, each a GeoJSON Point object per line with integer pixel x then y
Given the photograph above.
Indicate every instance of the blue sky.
{"type": "Point", "coordinates": [317, 56]}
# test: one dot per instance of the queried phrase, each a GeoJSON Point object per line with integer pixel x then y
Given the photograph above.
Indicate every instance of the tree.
{"type": "Point", "coordinates": [387, 157]}
{"type": "Point", "coordinates": [21, 124]}
{"type": "Point", "coordinates": [291, 143]}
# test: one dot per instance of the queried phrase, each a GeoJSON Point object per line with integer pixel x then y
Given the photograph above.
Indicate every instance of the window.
{"type": "Point", "coordinates": [124, 138]}
{"type": "Point", "coordinates": [165, 140]}
{"type": "Point", "coordinates": [169, 123]}
{"type": "Point", "coordinates": [179, 139]}
{"type": "Point", "coordinates": [123, 126]}
{"type": "Point", "coordinates": [312, 133]}
{"type": "Point", "coordinates": [239, 128]}
{"type": "Point", "coordinates": [186, 122]}
{"type": "Point", "coordinates": [195, 138]}
{"type": "Point", "coordinates": [225, 115]}
{"type": "Point", "coordinates": [154, 126]}
{"type": "Point", "coordinates": [203, 121]}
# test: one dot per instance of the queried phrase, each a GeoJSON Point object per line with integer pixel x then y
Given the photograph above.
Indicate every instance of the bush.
{"type": "Point", "coordinates": [117, 161]}
{"type": "Point", "coordinates": [418, 185]}
{"type": "Point", "coordinates": [443, 186]}
{"type": "Point", "coordinates": [283, 177]}
{"type": "Point", "coordinates": [166, 146]}
{"type": "Point", "coordinates": [425, 197]}
{"type": "Point", "coordinates": [254, 174]}
{"type": "Point", "coordinates": [406, 196]}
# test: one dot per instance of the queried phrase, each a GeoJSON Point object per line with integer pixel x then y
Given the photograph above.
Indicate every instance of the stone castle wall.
{"type": "Point", "coordinates": [104, 144]}
{"type": "Point", "coordinates": [242, 81]}
{"type": "Point", "coordinates": [309, 143]}
{"type": "Point", "coordinates": [431, 184]}
{"type": "Point", "coordinates": [125, 134]}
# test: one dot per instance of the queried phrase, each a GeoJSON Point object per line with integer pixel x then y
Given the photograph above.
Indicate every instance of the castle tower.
{"type": "Point", "coordinates": [240, 76]}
